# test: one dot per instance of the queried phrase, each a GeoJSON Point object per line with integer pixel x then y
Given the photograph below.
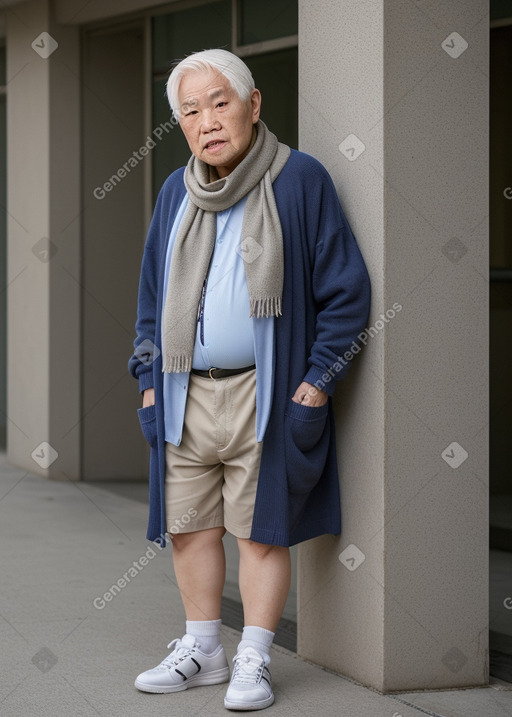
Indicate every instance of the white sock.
{"type": "Point", "coordinates": [257, 637]}
{"type": "Point", "coordinates": [207, 633]}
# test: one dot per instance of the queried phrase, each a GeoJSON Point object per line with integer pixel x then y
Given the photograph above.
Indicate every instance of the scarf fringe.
{"type": "Point", "coordinates": [177, 364]}
{"type": "Point", "coordinates": [264, 308]}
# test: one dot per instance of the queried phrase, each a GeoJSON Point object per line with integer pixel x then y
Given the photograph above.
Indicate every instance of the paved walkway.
{"type": "Point", "coordinates": [62, 546]}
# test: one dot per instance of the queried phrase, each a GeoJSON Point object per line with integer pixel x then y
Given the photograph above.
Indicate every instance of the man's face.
{"type": "Point", "coordinates": [216, 123]}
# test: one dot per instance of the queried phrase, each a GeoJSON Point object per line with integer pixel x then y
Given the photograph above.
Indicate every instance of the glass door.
{"type": "Point", "coordinates": [500, 619]}
{"type": "Point", "coordinates": [3, 251]}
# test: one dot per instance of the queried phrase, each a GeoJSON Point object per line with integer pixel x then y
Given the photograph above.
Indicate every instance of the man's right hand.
{"type": "Point", "coordinates": [148, 397]}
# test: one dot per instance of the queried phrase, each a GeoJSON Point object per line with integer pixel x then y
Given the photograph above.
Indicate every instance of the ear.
{"type": "Point", "coordinates": [256, 105]}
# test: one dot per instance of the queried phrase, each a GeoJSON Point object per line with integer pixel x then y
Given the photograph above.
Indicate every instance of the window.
{"type": "Point", "coordinates": [259, 21]}
{"type": "Point", "coordinates": [3, 249]}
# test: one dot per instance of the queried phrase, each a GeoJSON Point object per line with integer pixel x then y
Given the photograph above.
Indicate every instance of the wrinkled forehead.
{"type": "Point", "coordinates": [202, 84]}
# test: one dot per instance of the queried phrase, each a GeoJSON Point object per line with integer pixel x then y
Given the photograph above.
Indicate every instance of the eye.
{"type": "Point", "coordinates": [221, 104]}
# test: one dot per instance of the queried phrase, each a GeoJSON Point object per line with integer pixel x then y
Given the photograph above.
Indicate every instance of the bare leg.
{"type": "Point", "coordinates": [264, 578]}
{"type": "Point", "coordinates": [200, 567]}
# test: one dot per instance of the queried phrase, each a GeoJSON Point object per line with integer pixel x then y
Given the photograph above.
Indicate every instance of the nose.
{"type": "Point", "coordinates": [209, 122]}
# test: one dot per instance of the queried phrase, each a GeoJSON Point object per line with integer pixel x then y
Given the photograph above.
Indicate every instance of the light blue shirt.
{"type": "Point", "coordinates": [230, 338]}
{"type": "Point", "coordinates": [225, 337]}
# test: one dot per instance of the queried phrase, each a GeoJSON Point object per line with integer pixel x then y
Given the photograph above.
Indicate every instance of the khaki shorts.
{"type": "Point", "coordinates": [211, 477]}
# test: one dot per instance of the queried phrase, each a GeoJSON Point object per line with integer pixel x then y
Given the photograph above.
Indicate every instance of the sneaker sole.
{"type": "Point", "coordinates": [247, 707]}
{"type": "Point", "coordinates": [211, 678]}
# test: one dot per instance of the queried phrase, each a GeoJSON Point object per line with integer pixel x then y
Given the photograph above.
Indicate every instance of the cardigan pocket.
{"type": "Point", "coordinates": [147, 420]}
{"type": "Point", "coordinates": [306, 445]}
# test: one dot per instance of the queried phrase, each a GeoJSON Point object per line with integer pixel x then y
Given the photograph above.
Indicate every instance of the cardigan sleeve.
{"type": "Point", "coordinates": [341, 289]}
{"type": "Point", "coordinates": [140, 364]}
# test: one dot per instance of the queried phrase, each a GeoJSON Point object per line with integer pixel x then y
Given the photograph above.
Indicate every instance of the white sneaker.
{"type": "Point", "coordinates": [185, 667]}
{"type": "Point", "coordinates": [251, 684]}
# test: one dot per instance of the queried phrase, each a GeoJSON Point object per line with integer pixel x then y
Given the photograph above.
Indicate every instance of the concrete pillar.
{"type": "Point", "coordinates": [394, 101]}
{"type": "Point", "coordinates": [43, 241]}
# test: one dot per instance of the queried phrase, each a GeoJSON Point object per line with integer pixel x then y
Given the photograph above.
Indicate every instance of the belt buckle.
{"type": "Point", "coordinates": [210, 373]}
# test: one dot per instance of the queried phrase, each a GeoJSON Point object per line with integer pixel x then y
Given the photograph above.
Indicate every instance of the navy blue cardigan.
{"type": "Point", "coordinates": [326, 298]}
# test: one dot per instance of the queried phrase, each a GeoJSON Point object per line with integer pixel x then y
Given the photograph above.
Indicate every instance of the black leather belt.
{"type": "Point", "coordinates": [216, 373]}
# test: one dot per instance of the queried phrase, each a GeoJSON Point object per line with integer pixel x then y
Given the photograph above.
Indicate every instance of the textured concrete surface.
{"type": "Point", "coordinates": [394, 101]}
{"type": "Point", "coordinates": [64, 544]}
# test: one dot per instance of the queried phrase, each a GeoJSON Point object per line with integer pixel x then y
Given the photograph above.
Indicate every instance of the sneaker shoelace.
{"type": "Point", "coordinates": [248, 669]}
{"type": "Point", "coordinates": [179, 653]}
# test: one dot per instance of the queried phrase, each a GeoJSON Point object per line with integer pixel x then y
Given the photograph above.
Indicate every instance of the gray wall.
{"type": "Point", "coordinates": [408, 609]}
{"type": "Point", "coordinates": [43, 361]}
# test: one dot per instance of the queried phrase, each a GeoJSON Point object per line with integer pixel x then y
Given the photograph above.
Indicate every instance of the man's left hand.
{"type": "Point", "coordinates": [309, 395]}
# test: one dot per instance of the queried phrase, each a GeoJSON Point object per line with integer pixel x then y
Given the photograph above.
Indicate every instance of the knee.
{"type": "Point", "coordinates": [181, 540]}
{"type": "Point", "coordinates": [259, 551]}
{"type": "Point", "coordinates": [198, 540]}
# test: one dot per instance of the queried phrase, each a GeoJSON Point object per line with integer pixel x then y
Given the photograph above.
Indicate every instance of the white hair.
{"type": "Point", "coordinates": [228, 64]}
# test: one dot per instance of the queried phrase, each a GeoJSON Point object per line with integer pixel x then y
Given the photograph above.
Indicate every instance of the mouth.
{"type": "Point", "coordinates": [214, 145]}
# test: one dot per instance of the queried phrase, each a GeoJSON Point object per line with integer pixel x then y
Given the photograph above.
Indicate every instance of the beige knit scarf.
{"type": "Point", "coordinates": [261, 244]}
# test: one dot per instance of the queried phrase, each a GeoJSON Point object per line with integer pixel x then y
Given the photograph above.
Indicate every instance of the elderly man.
{"type": "Point", "coordinates": [252, 294]}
